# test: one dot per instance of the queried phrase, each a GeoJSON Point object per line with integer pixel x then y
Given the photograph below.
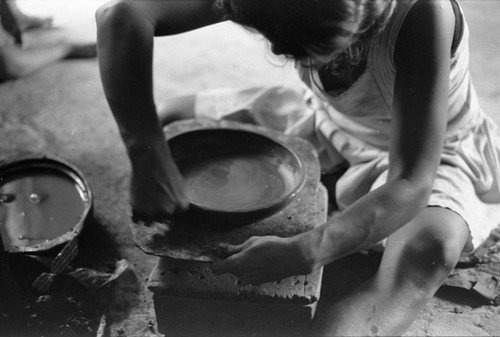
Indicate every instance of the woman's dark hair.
{"type": "Point", "coordinates": [301, 29]}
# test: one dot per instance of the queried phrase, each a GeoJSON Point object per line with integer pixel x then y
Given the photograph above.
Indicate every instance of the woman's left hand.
{"type": "Point", "coordinates": [264, 259]}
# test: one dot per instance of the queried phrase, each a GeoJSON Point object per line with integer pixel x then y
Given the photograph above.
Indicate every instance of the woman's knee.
{"type": "Point", "coordinates": [432, 247]}
{"type": "Point", "coordinates": [431, 254]}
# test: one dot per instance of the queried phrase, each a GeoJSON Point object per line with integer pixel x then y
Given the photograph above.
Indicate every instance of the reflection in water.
{"type": "Point", "coordinates": [40, 205]}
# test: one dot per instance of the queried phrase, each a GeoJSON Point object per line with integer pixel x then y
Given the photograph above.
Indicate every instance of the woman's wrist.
{"type": "Point", "coordinates": [147, 150]}
{"type": "Point", "coordinates": [307, 245]}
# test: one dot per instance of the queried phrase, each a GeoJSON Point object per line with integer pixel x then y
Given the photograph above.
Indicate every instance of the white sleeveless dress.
{"type": "Point", "coordinates": [353, 128]}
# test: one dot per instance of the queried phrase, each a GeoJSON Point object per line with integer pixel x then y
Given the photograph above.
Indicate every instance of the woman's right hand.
{"type": "Point", "coordinates": [157, 186]}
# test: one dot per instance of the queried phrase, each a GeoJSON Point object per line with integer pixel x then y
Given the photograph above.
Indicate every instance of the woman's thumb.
{"type": "Point", "coordinates": [228, 249]}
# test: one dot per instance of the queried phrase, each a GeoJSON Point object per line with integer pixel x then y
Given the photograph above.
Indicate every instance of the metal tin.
{"type": "Point", "coordinates": [44, 202]}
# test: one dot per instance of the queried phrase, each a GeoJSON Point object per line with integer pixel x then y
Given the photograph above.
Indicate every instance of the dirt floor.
{"type": "Point", "coordinates": [62, 110]}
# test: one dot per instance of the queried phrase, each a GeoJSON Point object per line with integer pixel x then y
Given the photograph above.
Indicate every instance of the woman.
{"type": "Point", "coordinates": [391, 97]}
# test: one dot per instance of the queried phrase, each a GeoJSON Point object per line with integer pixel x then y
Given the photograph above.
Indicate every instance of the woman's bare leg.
{"type": "Point", "coordinates": [27, 22]}
{"type": "Point", "coordinates": [18, 61]}
{"type": "Point", "coordinates": [416, 261]}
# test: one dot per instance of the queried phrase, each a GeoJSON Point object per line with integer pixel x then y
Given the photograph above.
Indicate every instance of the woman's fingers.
{"type": "Point", "coordinates": [233, 265]}
{"type": "Point", "coordinates": [228, 249]}
{"type": "Point", "coordinates": [161, 228]}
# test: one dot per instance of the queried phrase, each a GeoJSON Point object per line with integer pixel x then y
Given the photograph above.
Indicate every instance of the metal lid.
{"type": "Point", "coordinates": [44, 202]}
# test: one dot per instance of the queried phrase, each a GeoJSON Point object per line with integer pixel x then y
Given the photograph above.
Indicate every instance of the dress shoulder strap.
{"type": "Point", "coordinates": [390, 34]}
{"type": "Point", "coordinates": [381, 56]}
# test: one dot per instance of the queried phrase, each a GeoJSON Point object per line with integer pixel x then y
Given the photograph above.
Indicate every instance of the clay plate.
{"type": "Point", "coordinates": [236, 176]}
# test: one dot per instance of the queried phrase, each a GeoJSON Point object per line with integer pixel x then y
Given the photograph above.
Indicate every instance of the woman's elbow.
{"type": "Point", "coordinates": [420, 188]}
{"type": "Point", "coordinates": [113, 17]}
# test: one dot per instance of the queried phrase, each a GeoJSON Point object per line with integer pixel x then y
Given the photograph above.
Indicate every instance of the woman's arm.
{"type": "Point", "coordinates": [125, 49]}
{"type": "Point", "coordinates": [419, 118]}
{"type": "Point", "coordinates": [422, 58]}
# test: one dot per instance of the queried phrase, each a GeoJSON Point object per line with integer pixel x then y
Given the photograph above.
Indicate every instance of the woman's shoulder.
{"type": "Point", "coordinates": [423, 11]}
{"type": "Point", "coordinates": [427, 15]}
{"type": "Point", "coordinates": [428, 24]}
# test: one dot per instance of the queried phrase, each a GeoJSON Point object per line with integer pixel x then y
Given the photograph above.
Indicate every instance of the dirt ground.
{"type": "Point", "coordinates": [62, 110]}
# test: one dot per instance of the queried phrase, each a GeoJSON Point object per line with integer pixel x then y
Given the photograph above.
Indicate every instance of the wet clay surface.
{"type": "Point", "coordinates": [235, 170]}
